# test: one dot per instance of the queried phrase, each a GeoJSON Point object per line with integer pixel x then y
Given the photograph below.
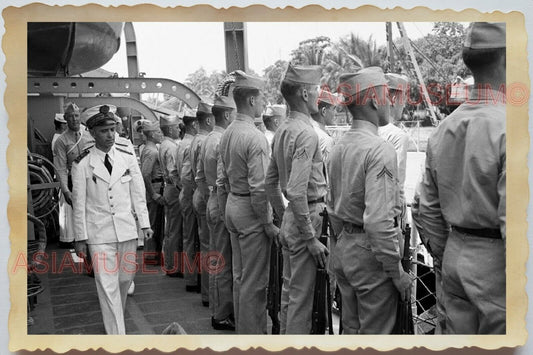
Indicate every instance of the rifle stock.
{"type": "Point", "coordinates": [322, 292]}
{"type": "Point", "coordinates": [274, 286]}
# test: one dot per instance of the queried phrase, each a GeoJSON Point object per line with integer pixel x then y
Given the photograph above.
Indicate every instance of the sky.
{"type": "Point", "coordinates": [173, 50]}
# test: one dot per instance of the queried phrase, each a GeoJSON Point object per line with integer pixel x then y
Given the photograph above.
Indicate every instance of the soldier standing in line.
{"type": "Point", "coordinates": [243, 164]}
{"type": "Point", "coordinates": [68, 147]}
{"type": "Point", "coordinates": [60, 126]}
{"type": "Point", "coordinates": [221, 283]}
{"type": "Point", "coordinates": [206, 122]}
{"type": "Point", "coordinates": [272, 118]}
{"type": "Point", "coordinates": [364, 205]}
{"type": "Point", "coordinates": [190, 226]}
{"type": "Point", "coordinates": [464, 187]}
{"type": "Point", "coordinates": [325, 116]}
{"type": "Point", "coordinates": [398, 91]}
{"type": "Point", "coordinates": [153, 181]}
{"type": "Point", "coordinates": [297, 170]}
{"type": "Point", "coordinates": [173, 238]}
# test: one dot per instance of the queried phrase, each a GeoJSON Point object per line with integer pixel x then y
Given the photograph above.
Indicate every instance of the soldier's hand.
{"type": "Point", "coordinates": [271, 230]}
{"type": "Point", "coordinates": [81, 248]}
{"type": "Point", "coordinates": [403, 284]}
{"type": "Point", "coordinates": [68, 197]}
{"type": "Point", "coordinates": [148, 233]}
{"type": "Point", "coordinates": [318, 251]}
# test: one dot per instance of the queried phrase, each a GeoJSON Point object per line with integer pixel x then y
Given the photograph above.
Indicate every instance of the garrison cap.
{"type": "Point", "coordinates": [204, 107]}
{"type": "Point", "coordinates": [104, 117]}
{"type": "Point", "coordinates": [189, 116]}
{"type": "Point", "coordinates": [59, 118]}
{"type": "Point", "coordinates": [168, 121]}
{"type": "Point", "coordinates": [150, 126]}
{"type": "Point", "coordinates": [276, 110]}
{"type": "Point", "coordinates": [224, 102]}
{"type": "Point", "coordinates": [353, 83]}
{"type": "Point", "coordinates": [248, 81]}
{"type": "Point", "coordinates": [397, 81]}
{"type": "Point", "coordinates": [327, 97]}
{"type": "Point", "coordinates": [485, 35]}
{"type": "Point", "coordinates": [309, 74]}
{"type": "Point", "coordinates": [71, 107]}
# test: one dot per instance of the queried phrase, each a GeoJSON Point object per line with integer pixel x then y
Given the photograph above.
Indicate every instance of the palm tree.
{"type": "Point", "coordinates": [364, 53]}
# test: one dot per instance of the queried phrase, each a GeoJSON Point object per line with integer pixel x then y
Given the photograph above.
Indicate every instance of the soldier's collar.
{"type": "Point", "coordinates": [218, 129]}
{"type": "Point", "coordinates": [365, 126]}
{"type": "Point", "coordinates": [243, 117]}
{"type": "Point", "coordinates": [301, 116]}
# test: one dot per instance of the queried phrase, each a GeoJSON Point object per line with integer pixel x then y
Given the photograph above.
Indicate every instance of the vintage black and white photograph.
{"type": "Point", "coordinates": [266, 178]}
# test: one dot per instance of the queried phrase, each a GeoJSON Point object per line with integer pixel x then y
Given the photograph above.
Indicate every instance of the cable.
{"type": "Point", "coordinates": [41, 171]}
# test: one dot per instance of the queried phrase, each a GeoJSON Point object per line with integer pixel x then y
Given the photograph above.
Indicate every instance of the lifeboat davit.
{"type": "Point", "coordinates": [71, 48]}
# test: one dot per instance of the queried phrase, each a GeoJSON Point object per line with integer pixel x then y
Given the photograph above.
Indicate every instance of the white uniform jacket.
{"type": "Point", "coordinates": [102, 203]}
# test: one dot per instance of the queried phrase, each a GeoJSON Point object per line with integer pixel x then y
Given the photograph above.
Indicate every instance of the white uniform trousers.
{"type": "Point", "coordinates": [66, 224]}
{"type": "Point", "coordinates": [114, 267]}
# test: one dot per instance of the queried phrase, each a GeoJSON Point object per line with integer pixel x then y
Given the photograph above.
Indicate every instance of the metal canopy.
{"type": "Point", "coordinates": [118, 102]}
{"type": "Point", "coordinates": [47, 85]}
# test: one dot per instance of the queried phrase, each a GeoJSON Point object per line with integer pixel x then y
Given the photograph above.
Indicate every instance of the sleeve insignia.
{"type": "Point", "coordinates": [383, 172]}
{"type": "Point", "coordinates": [302, 154]}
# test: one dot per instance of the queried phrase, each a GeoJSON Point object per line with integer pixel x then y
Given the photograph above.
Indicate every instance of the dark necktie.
{"type": "Point", "coordinates": [107, 164]}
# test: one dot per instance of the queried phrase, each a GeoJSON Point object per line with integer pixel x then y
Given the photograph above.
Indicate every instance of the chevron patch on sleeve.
{"type": "Point", "coordinates": [383, 172]}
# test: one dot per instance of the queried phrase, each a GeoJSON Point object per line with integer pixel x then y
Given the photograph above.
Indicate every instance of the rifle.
{"type": "Point", "coordinates": [322, 293]}
{"type": "Point", "coordinates": [404, 315]}
{"type": "Point", "coordinates": [274, 286]}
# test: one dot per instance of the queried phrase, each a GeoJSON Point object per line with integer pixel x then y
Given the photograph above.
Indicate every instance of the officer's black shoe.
{"type": "Point", "coordinates": [225, 324]}
{"type": "Point", "coordinates": [192, 288]}
{"type": "Point", "coordinates": [205, 303]}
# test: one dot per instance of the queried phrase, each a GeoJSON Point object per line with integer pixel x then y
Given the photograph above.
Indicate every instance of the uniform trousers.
{"type": "Point", "coordinates": [190, 236]}
{"type": "Point", "coordinates": [152, 247]}
{"type": "Point", "coordinates": [369, 297]}
{"type": "Point", "coordinates": [251, 261]}
{"type": "Point", "coordinates": [173, 242]}
{"type": "Point", "coordinates": [220, 244]}
{"type": "Point", "coordinates": [66, 220]}
{"type": "Point", "coordinates": [299, 273]}
{"type": "Point", "coordinates": [474, 285]}
{"type": "Point", "coordinates": [114, 267]}
{"type": "Point", "coordinates": [200, 210]}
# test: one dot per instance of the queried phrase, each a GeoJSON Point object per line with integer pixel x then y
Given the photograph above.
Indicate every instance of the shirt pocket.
{"type": "Point", "coordinates": [124, 179]}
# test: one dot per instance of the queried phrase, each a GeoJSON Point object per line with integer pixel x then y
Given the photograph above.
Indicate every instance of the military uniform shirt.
{"type": "Point", "coordinates": [364, 189]}
{"type": "Point", "coordinates": [183, 162]}
{"type": "Point", "coordinates": [325, 141]}
{"type": "Point", "coordinates": [207, 172]}
{"type": "Point", "coordinates": [67, 148]}
{"type": "Point", "coordinates": [196, 147]}
{"type": "Point", "coordinates": [244, 162]}
{"type": "Point", "coordinates": [167, 157]}
{"type": "Point", "coordinates": [464, 178]}
{"type": "Point", "coordinates": [150, 167]}
{"type": "Point", "coordinates": [296, 169]}
{"type": "Point", "coordinates": [400, 140]}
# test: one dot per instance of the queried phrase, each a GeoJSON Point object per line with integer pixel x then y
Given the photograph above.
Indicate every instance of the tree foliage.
{"type": "Point", "coordinates": [204, 84]}
{"type": "Point", "coordinates": [273, 75]}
